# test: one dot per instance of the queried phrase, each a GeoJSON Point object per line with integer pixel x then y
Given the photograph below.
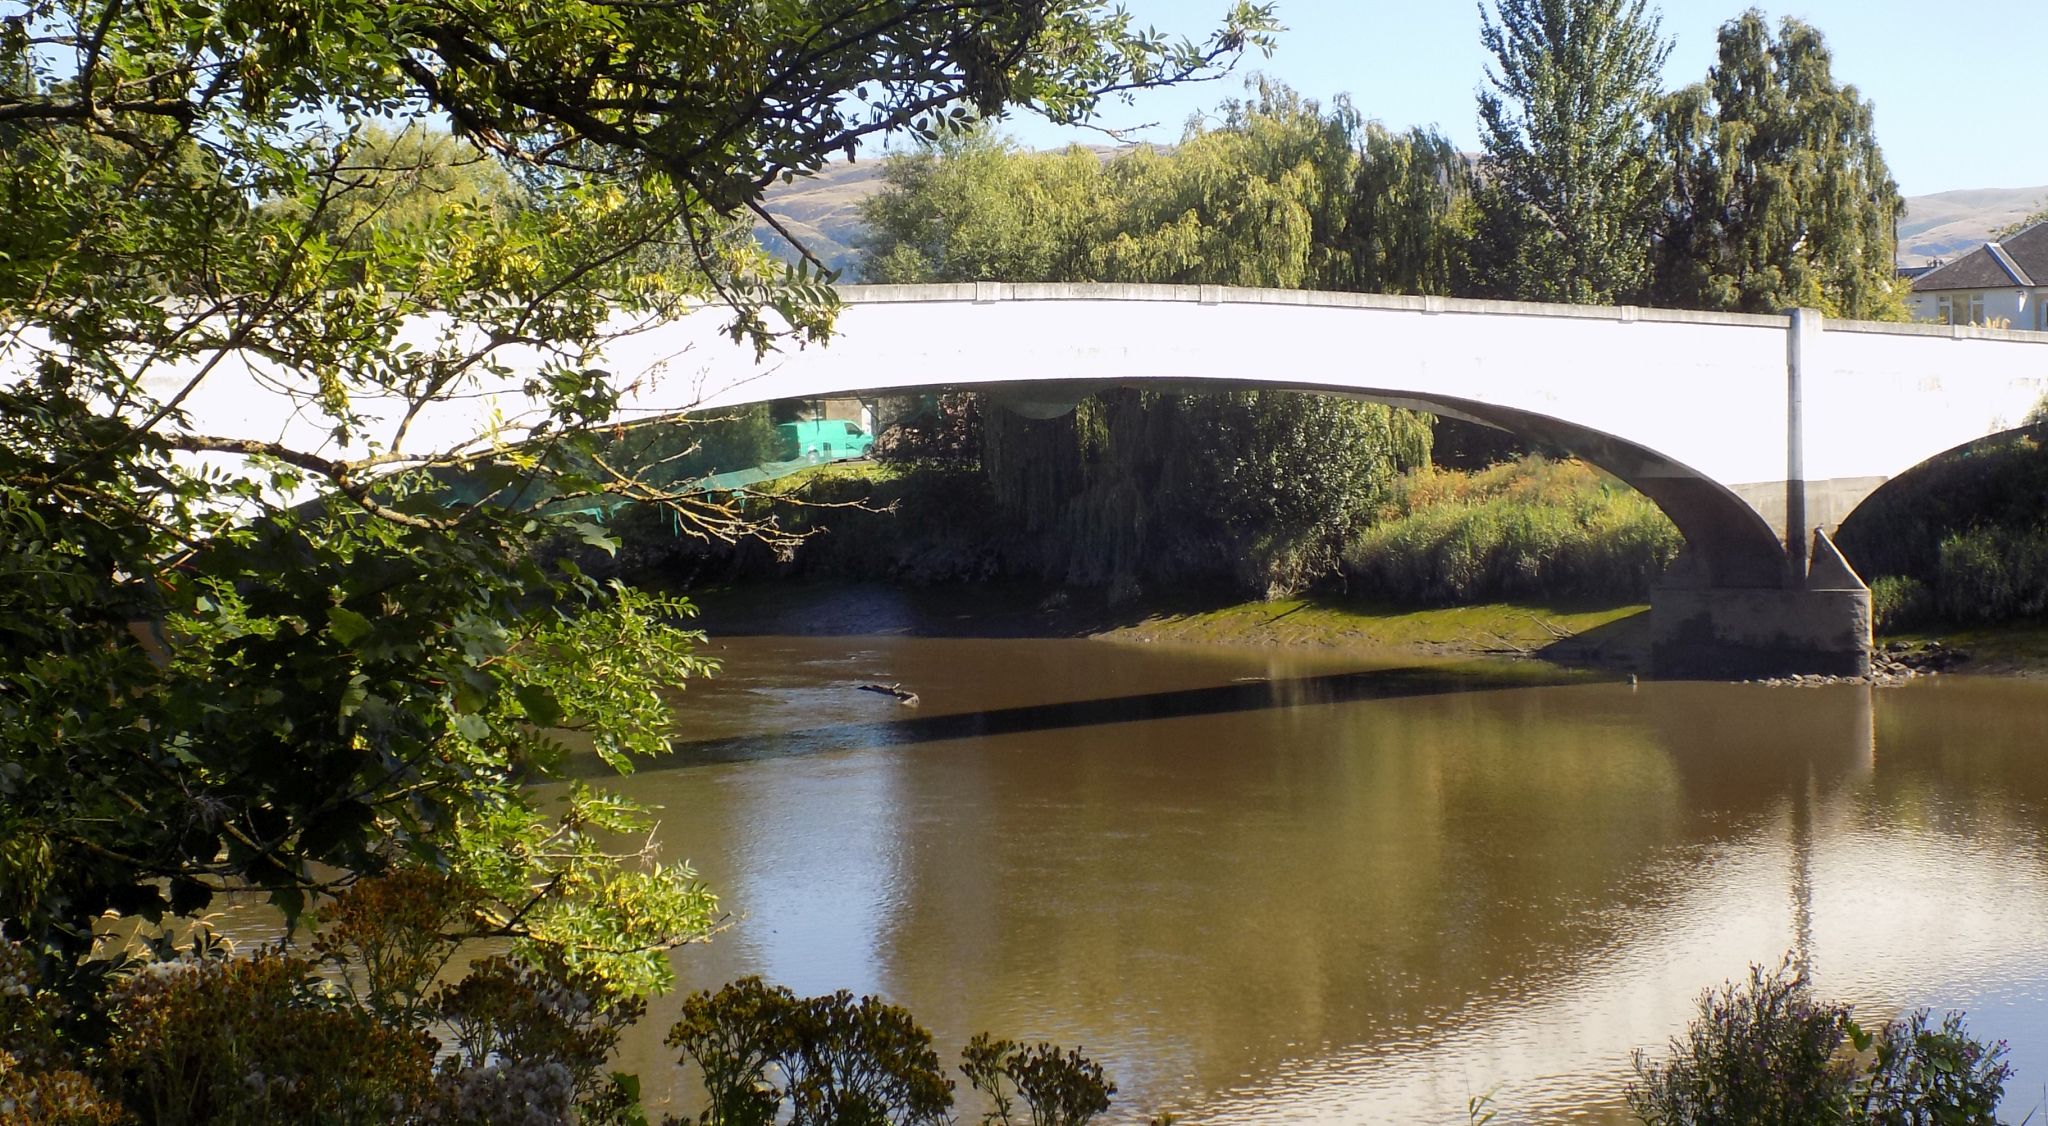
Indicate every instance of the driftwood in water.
{"type": "Point", "coordinates": [907, 699]}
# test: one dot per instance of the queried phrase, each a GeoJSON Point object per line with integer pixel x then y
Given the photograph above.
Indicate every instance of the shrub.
{"type": "Point", "coordinates": [1921, 1075]}
{"type": "Point", "coordinates": [1999, 483]}
{"type": "Point", "coordinates": [1531, 528]}
{"type": "Point", "coordinates": [839, 1061]}
{"type": "Point", "coordinates": [57, 1097]}
{"type": "Point", "coordinates": [764, 1053]}
{"type": "Point", "coordinates": [388, 937]}
{"type": "Point", "coordinates": [1992, 574]}
{"type": "Point", "coordinates": [204, 1035]}
{"type": "Point", "coordinates": [1764, 1051]}
{"type": "Point", "coordinates": [1899, 602]}
{"type": "Point", "coordinates": [531, 1044]}
{"type": "Point", "coordinates": [1767, 1052]}
{"type": "Point", "coordinates": [1057, 1088]}
{"type": "Point", "coordinates": [257, 1040]}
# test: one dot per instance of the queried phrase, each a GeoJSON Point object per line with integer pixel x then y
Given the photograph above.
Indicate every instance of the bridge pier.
{"type": "Point", "coordinates": [1820, 625]}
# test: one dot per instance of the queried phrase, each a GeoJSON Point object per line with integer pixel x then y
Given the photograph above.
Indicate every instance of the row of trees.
{"type": "Point", "coordinates": [1278, 193]}
{"type": "Point", "coordinates": [1758, 189]}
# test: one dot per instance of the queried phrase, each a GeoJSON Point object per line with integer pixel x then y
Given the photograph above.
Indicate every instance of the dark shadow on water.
{"type": "Point", "coordinates": [1246, 696]}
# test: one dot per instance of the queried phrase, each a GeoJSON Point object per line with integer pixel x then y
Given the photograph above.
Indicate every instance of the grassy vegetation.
{"type": "Point", "coordinates": [1960, 542]}
{"type": "Point", "coordinates": [1521, 529]}
{"type": "Point", "coordinates": [1508, 559]}
{"type": "Point", "coordinates": [1336, 620]}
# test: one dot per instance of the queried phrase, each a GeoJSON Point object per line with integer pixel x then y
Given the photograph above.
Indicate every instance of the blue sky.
{"type": "Point", "coordinates": [1958, 104]}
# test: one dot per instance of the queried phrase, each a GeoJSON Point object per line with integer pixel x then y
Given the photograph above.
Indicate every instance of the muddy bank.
{"type": "Point", "coordinates": [1580, 635]}
{"type": "Point", "coordinates": [1613, 638]}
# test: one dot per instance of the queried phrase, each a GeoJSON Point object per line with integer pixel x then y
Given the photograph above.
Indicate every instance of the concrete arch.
{"type": "Point", "coordinates": [1726, 539]}
{"type": "Point", "coordinates": [1912, 473]}
{"type": "Point", "coordinates": [1731, 423]}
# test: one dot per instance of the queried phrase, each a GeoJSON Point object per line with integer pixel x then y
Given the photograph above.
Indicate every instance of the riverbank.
{"type": "Point", "coordinates": [2018, 649]}
{"type": "Point", "coordinates": [1565, 633]}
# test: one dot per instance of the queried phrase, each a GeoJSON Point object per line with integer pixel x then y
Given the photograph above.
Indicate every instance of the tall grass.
{"type": "Point", "coordinates": [1528, 528]}
{"type": "Point", "coordinates": [1993, 574]}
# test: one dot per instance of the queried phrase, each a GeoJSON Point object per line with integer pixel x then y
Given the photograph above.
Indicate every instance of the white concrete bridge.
{"type": "Point", "coordinates": [1750, 431]}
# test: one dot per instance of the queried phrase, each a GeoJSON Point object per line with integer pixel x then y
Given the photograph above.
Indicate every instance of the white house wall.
{"type": "Point", "coordinates": [2009, 308]}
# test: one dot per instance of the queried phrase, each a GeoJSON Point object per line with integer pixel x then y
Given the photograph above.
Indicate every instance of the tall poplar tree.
{"type": "Point", "coordinates": [1779, 192]}
{"type": "Point", "coordinates": [1571, 180]}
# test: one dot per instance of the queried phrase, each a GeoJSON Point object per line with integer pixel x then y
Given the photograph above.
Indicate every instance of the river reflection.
{"type": "Point", "coordinates": [1266, 887]}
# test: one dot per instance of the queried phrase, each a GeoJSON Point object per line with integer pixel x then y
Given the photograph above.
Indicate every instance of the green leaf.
{"type": "Point", "coordinates": [347, 626]}
{"type": "Point", "coordinates": [470, 696]}
{"type": "Point", "coordinates": [596, 536]}
{"type": "Point", "coordinates": [540, 704]}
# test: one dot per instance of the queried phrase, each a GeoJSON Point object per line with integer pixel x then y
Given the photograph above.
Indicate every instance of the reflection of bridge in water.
{"type": "Point", "coordinates": [1756, 434]}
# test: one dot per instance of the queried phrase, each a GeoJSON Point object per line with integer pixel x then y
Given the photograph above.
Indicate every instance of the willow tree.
{"type": "Point", "coordinates": [972, 207]}
{"type": "Point", "coordinates": [206, 686]}
{"type": "Point", "coordinates": [1257, 489]}
{"type": "Point", "coordinates": [1570, 170]}
{"type": "Point", "coordinates": [1257, 199]}
{"type": "Point", "coordinates": [1409, 220]}
{"type": "Point", "coordinates": [1779, 191]}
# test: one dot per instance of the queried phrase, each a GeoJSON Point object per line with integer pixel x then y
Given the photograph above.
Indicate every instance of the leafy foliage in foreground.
{"type": "Point", "coordinates": [211, 681]}
{"type": "Point", "coordinates": [322, 691]}
{"type": "Point", "coordinates": [764, 1053]}
{"type": "Point", "coordinates": [202, 1035]}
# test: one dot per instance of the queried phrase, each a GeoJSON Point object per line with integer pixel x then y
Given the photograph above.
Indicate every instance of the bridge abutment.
{"type": "Point", "coordinates": [1817, 626]}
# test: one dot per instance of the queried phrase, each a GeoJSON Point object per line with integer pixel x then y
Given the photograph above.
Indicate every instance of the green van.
{"type": "Point", "coordinates": [824, 439]}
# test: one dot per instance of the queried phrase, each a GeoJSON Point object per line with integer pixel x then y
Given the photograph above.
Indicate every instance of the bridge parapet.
{"type": "Point", "coordinates": [1697, 410]}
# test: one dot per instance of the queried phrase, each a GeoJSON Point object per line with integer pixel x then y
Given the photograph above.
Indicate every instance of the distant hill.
{"type": "Point", "coordinates": [823, 212]}
{"type": "Point", "coordinates": [1946, 224]}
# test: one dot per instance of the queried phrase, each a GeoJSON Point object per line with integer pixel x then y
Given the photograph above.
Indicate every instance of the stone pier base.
{"type": "Point", "coordinates": [1705, 632]}
{"type": "Point", "coordinates": [1750, 634]}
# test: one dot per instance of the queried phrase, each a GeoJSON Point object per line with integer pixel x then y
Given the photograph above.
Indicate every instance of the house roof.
{"type": "Point", "coordinates": [2021, 260]}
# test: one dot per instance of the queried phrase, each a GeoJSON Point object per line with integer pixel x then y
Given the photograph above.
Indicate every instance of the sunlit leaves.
{"type": "Point", "coordinates": [283, 665]}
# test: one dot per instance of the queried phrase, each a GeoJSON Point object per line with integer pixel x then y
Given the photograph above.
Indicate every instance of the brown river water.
{"type": "Point", "coordinates": [1273, 886]}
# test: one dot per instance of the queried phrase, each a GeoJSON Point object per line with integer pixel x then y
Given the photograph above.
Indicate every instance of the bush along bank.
{"type": "Point", "coordinates": [1961, 541]}
{"type": "Point", "coordinates": [360, 1034]}
{"type": "Point", "coordinates": [1768, 1050]}
{"type": "Point", "coordinates": [1533, 528]}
